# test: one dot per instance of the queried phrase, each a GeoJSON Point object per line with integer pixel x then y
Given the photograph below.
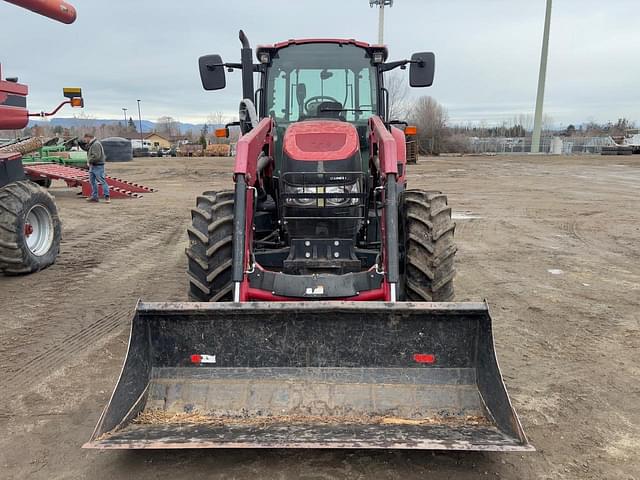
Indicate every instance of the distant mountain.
{"type": "Point", "coordinates": [147, 125]}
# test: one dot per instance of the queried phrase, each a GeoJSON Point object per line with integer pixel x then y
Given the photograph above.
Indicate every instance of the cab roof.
{"type": "Point", "coordinates": [340, 41]}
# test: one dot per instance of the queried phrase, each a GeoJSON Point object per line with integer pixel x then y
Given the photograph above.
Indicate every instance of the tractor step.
{"type": "Point", "coordinates": [77, 177]}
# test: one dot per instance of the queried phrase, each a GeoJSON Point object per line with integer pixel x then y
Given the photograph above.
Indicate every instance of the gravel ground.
{"type": "Point", "coordinates": [552, 243]}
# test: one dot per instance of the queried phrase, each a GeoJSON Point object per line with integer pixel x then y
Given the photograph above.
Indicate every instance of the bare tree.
{"type": "Point", "coordinates": [167, 126]}
{"type": "Point", "coordinates": [621, 126]}
{"type": "Point", "coordinates": [431, 119]}
{"type": "Point", "coordinates": [398, 89]}
{"type": "Point", "coordinates": [523, 120]}
{"type": "Point", "coordinates": [217, 119]}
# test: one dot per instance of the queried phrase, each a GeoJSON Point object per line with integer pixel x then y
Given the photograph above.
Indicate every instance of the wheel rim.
{"type": "Point", "coordinates": [38, 230]}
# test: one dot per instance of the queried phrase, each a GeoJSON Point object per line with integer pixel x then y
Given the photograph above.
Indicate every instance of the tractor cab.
{"type": "Point", "coordinates": [315, 79]}
{"type": "Point", "coordinates": [321, 80]}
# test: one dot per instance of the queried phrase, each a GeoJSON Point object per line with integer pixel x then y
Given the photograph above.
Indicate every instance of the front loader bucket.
{"type": "Point", "coordinates": [311, 375]}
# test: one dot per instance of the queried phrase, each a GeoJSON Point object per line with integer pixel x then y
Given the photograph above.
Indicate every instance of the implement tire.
{"type": "Point", "coordinates": [427, 235]}
{"type": "Point", "coordinates": [30, 228]}
{"type": "Point", "coordinates": [210, 249]}
{"type": "Point", "coordinates": [43, 182]}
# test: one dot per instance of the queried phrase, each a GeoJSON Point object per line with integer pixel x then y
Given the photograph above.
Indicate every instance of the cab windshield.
{"type": "Point", "coordinates": [321, 80]}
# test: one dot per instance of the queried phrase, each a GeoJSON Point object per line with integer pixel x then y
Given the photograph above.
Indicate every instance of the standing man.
{"type": "Point", "coordinates": [95, 160]}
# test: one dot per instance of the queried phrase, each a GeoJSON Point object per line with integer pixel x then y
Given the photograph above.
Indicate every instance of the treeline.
{"type": "Point", "coordinates": [436, 135]}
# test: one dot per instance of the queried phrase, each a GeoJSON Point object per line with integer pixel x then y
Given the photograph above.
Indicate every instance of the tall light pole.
{"type": "Point", "coordinates": [381, 4]}
{"type": "Point", "coordinates": [140, 123]}
{"type": "Point", "coordinates": [125, 117]}
{"type": "Point", "coordinates": [542, 77]}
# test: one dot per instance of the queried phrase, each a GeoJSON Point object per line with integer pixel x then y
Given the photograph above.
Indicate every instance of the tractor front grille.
{"type": "Point", "coordinates": [323, 204]}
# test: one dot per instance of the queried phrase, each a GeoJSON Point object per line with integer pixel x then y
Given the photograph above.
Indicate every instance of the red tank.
{"type": "Point", "coordinates": [54, 9]}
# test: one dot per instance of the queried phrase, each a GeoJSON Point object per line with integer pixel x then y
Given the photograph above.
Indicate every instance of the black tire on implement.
{"type": "Point", "coordinates": [210, 248]}
{"type": "Point", "coordinates": [43, 182]}
{"type": "Point", "coordinates": [18, 202]}
{"type": "Point", "coordinates": [427, 233]}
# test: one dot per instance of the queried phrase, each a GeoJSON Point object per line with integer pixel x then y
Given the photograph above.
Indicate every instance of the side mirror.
{"type": "Point", "coordinates": [212, 72]}
{"type": "Point", "coordinates": [423, 67]}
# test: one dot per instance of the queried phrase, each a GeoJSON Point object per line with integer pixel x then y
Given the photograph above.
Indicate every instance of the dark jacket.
{"type": "Point", "coordinates": [95, 153]}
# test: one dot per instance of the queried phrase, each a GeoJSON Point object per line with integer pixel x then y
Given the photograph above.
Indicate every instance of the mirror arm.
{"type": "Point", "coordinates": [385, 67]}
{"type": "Point", "coordinates": [212, 66]}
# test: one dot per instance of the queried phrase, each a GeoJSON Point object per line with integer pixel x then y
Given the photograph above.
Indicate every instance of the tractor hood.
{"type": "Point", "coordinates": [321, 141]}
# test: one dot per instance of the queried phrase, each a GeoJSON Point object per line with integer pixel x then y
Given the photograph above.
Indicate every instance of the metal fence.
{"type": "Point", "coordinates": [569, 145]}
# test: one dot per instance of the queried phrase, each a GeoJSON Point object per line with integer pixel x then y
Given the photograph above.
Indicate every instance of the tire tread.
{"type": "Point", "coordinates": [429, 246]}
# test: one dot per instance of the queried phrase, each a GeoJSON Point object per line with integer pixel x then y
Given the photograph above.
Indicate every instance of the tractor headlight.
{"type": "Point", "coordinates": [301, 201]}
{"type": "Point", "coordinates": [331, 197]}
{"type": "Point", "coordinates": [342, 201]}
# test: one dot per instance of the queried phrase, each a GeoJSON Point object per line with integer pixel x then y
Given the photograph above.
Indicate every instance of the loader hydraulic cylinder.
{"type": "Point", "coordinates": [391, 233]}
{"type": "Point", "coordinates": [239, 234]}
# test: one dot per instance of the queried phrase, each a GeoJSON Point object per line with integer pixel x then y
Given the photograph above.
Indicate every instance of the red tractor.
{"type": "Point", "coordinates": [321, 186]}
{"type": "Point", "coordinates": [322, 284]}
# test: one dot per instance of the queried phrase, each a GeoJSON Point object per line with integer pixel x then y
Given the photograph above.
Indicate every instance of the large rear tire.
{"type": "Point", "coordinates": [427, 235]}
{"type": "Point", "coordinates": [30, 228]}
{"type": "Point", "coordinates": [210, 249]}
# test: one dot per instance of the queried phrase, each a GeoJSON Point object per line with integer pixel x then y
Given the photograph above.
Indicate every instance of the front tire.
{"type": "Point", "coordinates": [30, 228]}
{"type": "Point", "coordinates": [427, 234]}
{"type": "Point", "coordinates": [210, 248]}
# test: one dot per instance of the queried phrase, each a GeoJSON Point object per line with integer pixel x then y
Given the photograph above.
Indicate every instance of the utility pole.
{"type": "Point", "coordinates": [381, 4]}
{"type": "Point", "coordinates": [542, 77]}
{"type": "Point", "coordinates": [140, 123]}
{"type": "Point", "coordinates": [125, 117]}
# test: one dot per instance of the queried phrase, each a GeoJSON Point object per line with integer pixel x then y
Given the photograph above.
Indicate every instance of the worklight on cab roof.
{"type": "Point", "coordinates": [378, 57]}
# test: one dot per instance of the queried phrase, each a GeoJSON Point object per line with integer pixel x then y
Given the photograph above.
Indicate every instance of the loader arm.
{"type": "Point", "coordinates": [249, 148]}
{"type": "Point", "coordinates": [383, 146]}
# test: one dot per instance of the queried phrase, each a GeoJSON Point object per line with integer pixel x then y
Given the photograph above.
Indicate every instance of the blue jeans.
{"type": "Point", "coordinates": [96, 174]}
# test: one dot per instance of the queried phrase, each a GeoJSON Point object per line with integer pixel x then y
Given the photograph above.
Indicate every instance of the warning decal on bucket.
{"type": "Point", "coordinates": [197, 358]}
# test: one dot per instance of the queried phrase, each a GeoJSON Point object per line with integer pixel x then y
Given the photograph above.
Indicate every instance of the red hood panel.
{"type": "Point", "coordinates": [321, 140]}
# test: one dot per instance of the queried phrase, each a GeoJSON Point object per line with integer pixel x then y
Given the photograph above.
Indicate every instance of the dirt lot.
{"type": "Point", "coordinates": [552, 243]}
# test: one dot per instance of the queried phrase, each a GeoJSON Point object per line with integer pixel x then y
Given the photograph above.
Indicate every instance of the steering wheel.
{"type": "Point", "coordinates": [318, 99]}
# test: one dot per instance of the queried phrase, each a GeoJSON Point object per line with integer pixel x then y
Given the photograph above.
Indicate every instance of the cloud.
{"type": "Point", "coordinates": [487, 52]}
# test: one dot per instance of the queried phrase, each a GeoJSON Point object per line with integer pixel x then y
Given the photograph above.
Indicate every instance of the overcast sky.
{"type": "Point", "coordinates": [487, 52]}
